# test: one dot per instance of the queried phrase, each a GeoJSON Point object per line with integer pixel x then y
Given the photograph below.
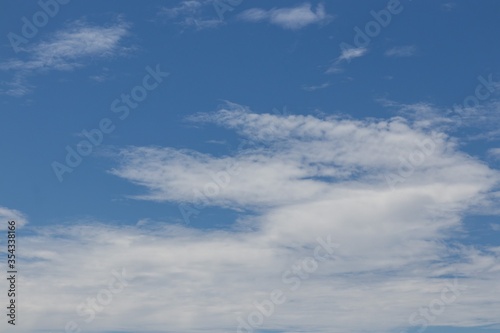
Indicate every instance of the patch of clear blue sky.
{"type": "Point", "coordinates": [259, 65]}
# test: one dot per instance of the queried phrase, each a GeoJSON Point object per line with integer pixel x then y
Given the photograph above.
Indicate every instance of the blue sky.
{"type": "Point", "coordinates": [227, 136]}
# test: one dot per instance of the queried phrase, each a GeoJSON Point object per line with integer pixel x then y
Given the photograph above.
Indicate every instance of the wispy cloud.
{"type": "Point", "coordinates": [65, 50]}
{"type": "Point", "coordinates": [349, 54]}
{"type": "Point", "coordinates": [481, 120]}
{"type": "Point", "coordinates": [401, 51]}
{"type": "Point", "coordinates": [293, 18]}
{"type": "Point", "coordinates": [421, 114]}
{"type": "Point", "coordinates": [7, 214]}
{"type": "Point", "coordinates": [103, 76]}
{"type": "Point", "coordinates": [494, 152]}
{"type": "Point", "coordinates": [448, 6]}
{"type": "Point", "coordinates": [316, 87]}
{"type": "Point", "coordinates": [217, 142]}
{"type": "Point", "coordinates": [191, 14]}
{"type": "Point", "coordinates": [183, 8]}
{"type": "Point", "coordinates": [346, 56]}
{"type": "Point", "coordinates": [17, 86]}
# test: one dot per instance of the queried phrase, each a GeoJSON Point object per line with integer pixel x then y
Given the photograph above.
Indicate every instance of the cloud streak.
{"type": "Point", "coordinates": [401, 51]}
{"type": "Point", "coordinates": [316, 87]}
{"type": "Point", "coordinates": [346, 56]}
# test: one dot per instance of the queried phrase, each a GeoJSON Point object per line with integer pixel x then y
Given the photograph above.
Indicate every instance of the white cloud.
{"type": "Point", "coordinates": [65, 50]}
{"type": "Point", "coordinates": [448, 6]}
{"type": "Point", "coordinates": [184, 7]}
{"type": "Point", "coordinates": [206, 280]}
{"type": "Point", "coordinates": [7, 214]}
{"type": "Point", "coordinates": [190, 13]}
{"type": "Point", "coordinates": [217, 142]}
{"type": "Point", "coordinates": [315, 148]}
{"type": "Point", "coordinates": [99, 78]}
{"type": "Point", "coordinates": [346, 55]}
{"type": "Point", "coordinates": [316, 87]}
{"type": "Point", "coordinates": [481, 119]}
{"type": "Point", "coordinates": [293, 18]}
{"type": "Point", "coordinates": [349, 54]}
{"type": "Point", "coordinates": [104, 75]}
{"type": "Point", "coordinates": [17, 87]}
{"type": "Point", "coordinates": [303, 177]}
{"type": "Point", "coordinates": [494, 152]}
{"type": "Point", "coordinates": [401, 51]}
{"type": "Point", "coordinates": [421, 114]}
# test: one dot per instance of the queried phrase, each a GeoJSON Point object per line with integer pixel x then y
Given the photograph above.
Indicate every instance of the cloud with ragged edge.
{"type": "Point", "coordinates": [303, 177]}
{"type": "Point", "coordinates": [65, 50]}
{"type": "Point", "coordinates": [401, 51]}
{"type": "Point", "coordinates": [8, 214]}
{"type": "Point", "coordinates": [477, 113]}
{"type": "Point", "coordinates": [292, 18]}
{"type": "Point", "coordinates": [346, 55]}
{"type": "Point", "coordinates": [192, 14]}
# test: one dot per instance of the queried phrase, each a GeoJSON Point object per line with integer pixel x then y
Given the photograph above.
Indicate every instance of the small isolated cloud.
{"type": "Point", "coordinates": [316, 87]}
{"type": "Point", "coordinates": [401, 51]}
{"type": "Point", "coordinates": [217, 142]}
{"type": "Point", "coordinates": [190, 13]}
{"type": "Point", "coordinates": [448, 6]}
{"type": "Point", "coordinates": [103, 76]}
{"type": "Point", "coordinates": [7, 214]}
{"type": "Point", "coordinates": [293, 18]}
{"type": "Point", "coordinates": [495, 227]}
{"type": "Point", "coordinates": [99, 78]}
{"type": "Point", "coordinates": [347, 55]}
{"type": "Point", "coordinates": [64, 51]}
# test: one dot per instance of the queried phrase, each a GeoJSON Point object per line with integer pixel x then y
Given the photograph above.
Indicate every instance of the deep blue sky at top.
{"type": "Point", "coordinates": [262, 66]}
